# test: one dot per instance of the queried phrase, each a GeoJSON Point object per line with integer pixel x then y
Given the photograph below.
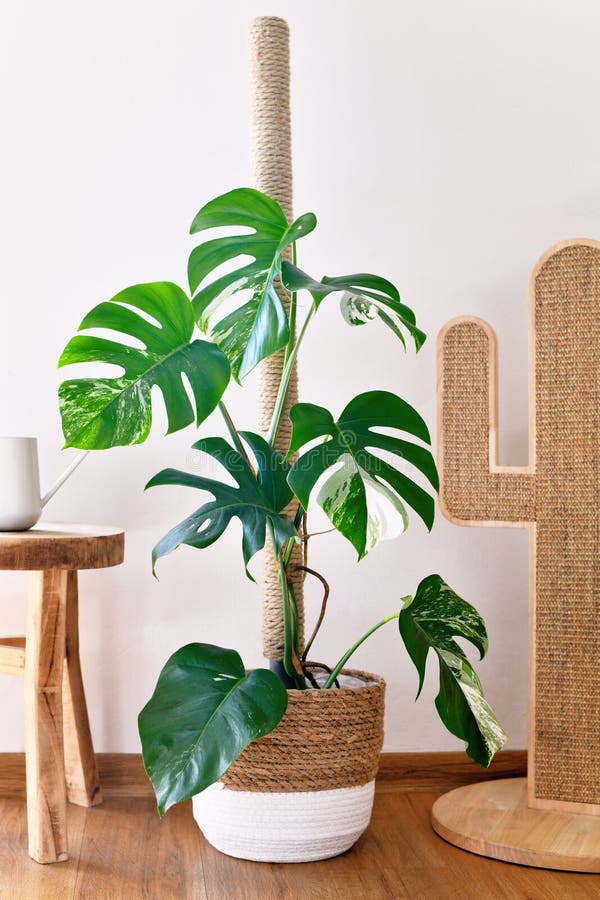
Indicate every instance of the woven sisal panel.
{"type": "Point", "coordinates": [561, 497]}
{"type": "Point", "coordinates": [272, 160]}
{"type": "Point", "coordinates": [567, 635]}
{"type": "Point", "coordinates": [327, 739]}
{"type": "Point", "coordinates": [470, 492]}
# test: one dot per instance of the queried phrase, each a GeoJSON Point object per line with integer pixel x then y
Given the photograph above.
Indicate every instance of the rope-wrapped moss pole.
{"type": "Point", "coordinates": [272, 160]}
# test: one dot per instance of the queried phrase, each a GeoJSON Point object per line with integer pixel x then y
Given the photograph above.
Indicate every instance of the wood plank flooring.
{"type": "Point", "coordinates": [122, 851]}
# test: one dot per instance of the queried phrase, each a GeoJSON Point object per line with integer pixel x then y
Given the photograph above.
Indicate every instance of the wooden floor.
{"type": "Point", "coordinates": [122, 849]}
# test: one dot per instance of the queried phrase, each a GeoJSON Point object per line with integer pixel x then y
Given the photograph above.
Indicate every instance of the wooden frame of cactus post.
{"type": "Point", "coordinates": [554, 822]}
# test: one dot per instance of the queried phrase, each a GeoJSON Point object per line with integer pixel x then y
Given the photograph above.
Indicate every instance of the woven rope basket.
{"type": "Point", "coordinates": [327, 739]}
{"type": "Point", "coordinates": [305, 791]}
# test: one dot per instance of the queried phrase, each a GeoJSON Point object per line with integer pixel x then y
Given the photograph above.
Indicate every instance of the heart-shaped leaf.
{"type": "Point", "coordinates": [204, 712]}
{"type": "Point", "coordinates": [364, 298]}
{"type": "Point", "coordinates": [259, 327]}
{"type": "Point", "coordinates": [98, 413]}
{"type": "Point", "coordinates": [363, 497]}
{"type": "Point", "coordinates": [431, 621]}
{"type": "Point", "coordinates": [257, 500]}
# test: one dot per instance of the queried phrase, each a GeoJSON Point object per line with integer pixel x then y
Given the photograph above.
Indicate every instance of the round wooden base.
{"type": "Point", "coordinates": [492, 819]}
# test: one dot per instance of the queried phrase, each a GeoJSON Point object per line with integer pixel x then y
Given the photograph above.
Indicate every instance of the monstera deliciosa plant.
{"type": "Point", "coordinates": [206, 707]}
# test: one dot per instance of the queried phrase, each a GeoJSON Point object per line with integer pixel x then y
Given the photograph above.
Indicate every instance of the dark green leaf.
{"type": "Point", "coordinates": [431, 621]}
{"type": "Point", "coordinates": [364, 298]}
{"type": "Point", "coordinates": [98, 413]}
{"type": "Point", "coordinates": [363, 497]}
{"type": "Point", "coordinates": [259, 327]}
{"type": "Point", "coordinates": [204, 712]}
{"type": "Point", "coordinates": [256, 501]}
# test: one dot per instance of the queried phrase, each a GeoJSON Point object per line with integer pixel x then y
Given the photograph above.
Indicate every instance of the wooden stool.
{"type": "Point", "coordinates": [58, 745]}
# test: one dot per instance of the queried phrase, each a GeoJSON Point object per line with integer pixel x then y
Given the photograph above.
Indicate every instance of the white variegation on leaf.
{"type": "Point", "coordinates": [387, 517]}
{"type": "Point", "coordinates": [259, 327]}
{"type": "Point", "coordinates": [350, 490]}
{"type": "Point", "coordinates": [471, 687]}
{"type": "Point", "coordinates": [358, 309]}
{"type": "Point", "coordinates": [431, 621]}
{"type": "Point", "coordinates": [365, 498]}
{"type": "Point", "coordinates": [365, 297]}
{"type": "Point", "coordinates": [112, 411]}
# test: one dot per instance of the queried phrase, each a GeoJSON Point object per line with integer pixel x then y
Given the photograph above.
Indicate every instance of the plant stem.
{"type": "Point", "coordinates": [290, 614]}
{"type": "Point", "coordinates": [299, 515]}
{"type": "Point", "coordinates": [311, 664]}
{"type": "Point", "coordinates": [288, 368]}
{"type": "Point", "coordinates": [289, 547]}
{"type": "Point", "coordinates": [292, 313]}
{"type": "Point", "coordinates": [234, 434]}
{"type": "Point", "coordinates": [340, 665]}
{"type": "Point", "coordinates": [323, 581]}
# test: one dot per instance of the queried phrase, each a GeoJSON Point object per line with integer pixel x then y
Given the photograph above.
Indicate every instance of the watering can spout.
{"type": "Point", "coordinates": [66, 474]}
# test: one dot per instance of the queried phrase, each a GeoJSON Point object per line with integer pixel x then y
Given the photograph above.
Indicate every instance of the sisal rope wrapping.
{"type": "Point", "coordinates": [327, 739]}
{"type": "Point", "coordinates": [272, 160]}
{"type": "Point", "coordinates": [470, 492]}
{"type": "Point", "coordinates": [567, 638]}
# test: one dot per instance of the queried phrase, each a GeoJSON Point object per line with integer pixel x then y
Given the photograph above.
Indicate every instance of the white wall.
{"type": "Point", "coordinates": [442, 145]}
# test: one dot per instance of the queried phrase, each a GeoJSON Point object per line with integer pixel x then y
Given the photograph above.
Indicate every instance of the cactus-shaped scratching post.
{"type": "Point", "coordinates": [553, 821]}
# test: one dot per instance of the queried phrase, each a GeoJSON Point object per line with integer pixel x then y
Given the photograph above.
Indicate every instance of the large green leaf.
{"type": "Point", "coordinates": [98, 413]}
{"type": "Point", "coordinates": [431, 621]}
{"type": "Point", "coordinates": [257, 500]}
{"type": "Point", "coordinates": [259, 327]}
{"type": "Point", "coordinates": [363, 497]}
{"type": "Point", "coordinates": [364, 298]}
{"type": "Point", "coordinates": [204, 712]}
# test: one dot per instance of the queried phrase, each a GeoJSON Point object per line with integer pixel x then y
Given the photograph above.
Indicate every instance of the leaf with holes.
{"type": "Point", "coordinates": [364, 298]}
{"type": "Point", "coordinates": [204, 712]}
{"type": "Point", "coordinates": [98, 413]}
{"type": "Point", "coordinates": [257, 501]}
{"type": "Point", "coordinates": [431, 621]}
{"type": "Point", "coordinates": [364, 496]}
{"type": "Point", "coordinates": [259, 327]}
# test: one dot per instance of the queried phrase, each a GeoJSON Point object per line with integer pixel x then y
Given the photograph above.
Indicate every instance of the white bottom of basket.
{"type": "Point", "coordinates": [283, 827]}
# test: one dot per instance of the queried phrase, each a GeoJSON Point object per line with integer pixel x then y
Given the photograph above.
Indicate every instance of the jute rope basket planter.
{"type": "Point", "coordinates": [305, 791]}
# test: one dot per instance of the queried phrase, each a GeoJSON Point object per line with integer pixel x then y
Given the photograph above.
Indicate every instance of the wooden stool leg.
{"type": "Point", "coordinates": [83, 785]}
{"type": "Point", "coordinates": [44, 656]}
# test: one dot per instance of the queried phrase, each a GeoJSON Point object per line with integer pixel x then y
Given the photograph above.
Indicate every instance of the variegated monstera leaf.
{"type": "Point", "coordinates": [431, 621]}
{"type": "Point", "coordinates": [259, 327]}
{"type": "Point", "coordinates": [115, 410]}
{"type": "Point", "coordinates": [364, 496]}
{"type": "Point", "coordinates": [364, 298]}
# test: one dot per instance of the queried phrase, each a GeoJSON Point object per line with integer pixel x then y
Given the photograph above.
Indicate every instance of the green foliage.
{"type": "Point", "coordinates": [363, 497]}
{"type": "Point", "coordinates": [259, 327]}
{"type": "Point", "coordinates": [98, 413]}
{"type": "Point", "coordinates": [205, 709]}
{"type": "Point", "coordinates": [365, 297]}
{"type": "Point", "coordinates": [431, 621]}
{"type": "Point", "coordinates": [257, 501]}
{"type": "Point", "coordinates": [204, 712]}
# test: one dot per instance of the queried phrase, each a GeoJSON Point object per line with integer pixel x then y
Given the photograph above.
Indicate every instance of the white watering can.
{"type": "Point", "coordinates": [21, 502]}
